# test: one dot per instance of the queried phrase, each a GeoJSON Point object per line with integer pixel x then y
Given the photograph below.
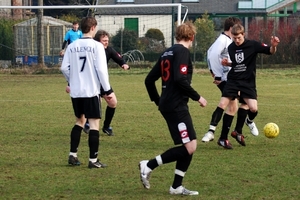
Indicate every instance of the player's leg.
{"type": "Point", "coordinates": [86, 127]}
{"type": "Point", "coordinates": [250, 122]}
{"type": "Point", "coordinates": [182, 132]}
{"type": "Point", "coordinates": [230, 93]}
{"type": "Point", "coordinates": [109, 113]}
{"type": "Point", "coordinates": [249, 95]}
{"type": "Point", "coordinates": [227, 121]}
{"type": "Point", "coordinates": [253, 109]}
{"type": "Point", "coordinates": [209, 135]}
{"type": "Point", "coordinates": [93, 113]}
{"type": "Point", "coordinates": [216, 116]}
{"type": "Point", "coordinates": [237, 133]}
{"type": "Point", "coordinates": [76, 131]}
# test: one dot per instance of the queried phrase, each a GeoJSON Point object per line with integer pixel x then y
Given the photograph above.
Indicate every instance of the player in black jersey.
{"type": "Point", "coordinates": [216, 52]}
{"type": "Point", "coordinates": [175, 69]}
{"type": "Point", "coordinates": [103, 37]}
{"type": "Point", "coordinates": [241, 79]}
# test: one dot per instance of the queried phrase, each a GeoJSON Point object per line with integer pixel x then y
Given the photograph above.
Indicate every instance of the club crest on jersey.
{"type": "Point", "coordinates": [239, 57]}
{"type": "Point", "coordinates": [183, 69]}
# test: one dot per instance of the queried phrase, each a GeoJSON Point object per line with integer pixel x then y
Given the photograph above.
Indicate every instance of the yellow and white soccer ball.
{"type": "Point", "coordinates": [271, 130]}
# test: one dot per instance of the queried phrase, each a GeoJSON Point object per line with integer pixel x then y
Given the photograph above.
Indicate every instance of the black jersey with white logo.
{"type": "Point", "coordinates": [243, 59]}
{"type": "Point", "coordinates": [175, 69]}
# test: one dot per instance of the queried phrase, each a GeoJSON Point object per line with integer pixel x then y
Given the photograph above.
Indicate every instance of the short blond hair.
{"type": "Point", "coordinates": [185, 31]}
{"type": "Point", "coordinates": [237, 29]}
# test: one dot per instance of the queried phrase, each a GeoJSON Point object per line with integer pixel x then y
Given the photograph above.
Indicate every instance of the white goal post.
{"type": "Point", "coordinates": [178, 5]}
{"type": "Point", "coordinates": [111, 18]}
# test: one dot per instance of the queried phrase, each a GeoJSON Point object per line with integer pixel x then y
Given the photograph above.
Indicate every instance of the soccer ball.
{"type": "Point", "coordinates": [271, 130]}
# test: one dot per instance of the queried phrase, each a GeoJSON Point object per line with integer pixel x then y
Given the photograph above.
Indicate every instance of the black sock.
{"type": "Point", "coordinates": [252, 115]}
{"type": "Point", "coordinates": [216, 116]}
{"type": "Point", "coordinates": [182, 166]}
{"type": "Point", "coordinates": [109, 114]}
{"type": "Point", "coordinates": [241, 117]}
{"type": "Point", "coordinates": [94, 143]}
{"type": "Point", "coordinates": [75, 138]}
{"type": "Point", "coordinates": [170, 155]}
{"type": "Point", "coordinates": [227, 121]}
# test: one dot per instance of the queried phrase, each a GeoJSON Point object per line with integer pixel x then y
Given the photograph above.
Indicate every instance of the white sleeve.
{"type": "Point", "coordinates": [215, 57]}
{"type": "Point", "coordinates": [101, 68]}
{"type": "Point", "coordinates": [65, 66]}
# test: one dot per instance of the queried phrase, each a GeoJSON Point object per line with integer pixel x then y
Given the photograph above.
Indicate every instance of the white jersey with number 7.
{"type": "Point", "coordinates": [85, 68]}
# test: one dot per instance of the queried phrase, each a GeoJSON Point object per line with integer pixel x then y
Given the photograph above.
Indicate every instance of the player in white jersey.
{"type": "Point", "coordinates": [84, 67]}
{"type": "Point", "coordinates": [217, 51]}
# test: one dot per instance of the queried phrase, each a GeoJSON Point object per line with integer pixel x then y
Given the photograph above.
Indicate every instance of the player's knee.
{"type": "Point", "coordinates": [191, 146]}
{"type": "Point", "coordinates": [222, 105]}
{"type": "Point", "coordinates": [232, 109]}
{"type": "Point", "coordinates": [81, 121]}
{"type": "Point", "coordinates": [113, 103]}
{"type": "Point", "coordinates": [253, 109]}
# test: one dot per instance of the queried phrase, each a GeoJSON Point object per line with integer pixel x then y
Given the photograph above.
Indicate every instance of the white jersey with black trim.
{"type": "Point", "coordinates": [85, 68]}
{"type": "Point", "coordinates": [216, 52]}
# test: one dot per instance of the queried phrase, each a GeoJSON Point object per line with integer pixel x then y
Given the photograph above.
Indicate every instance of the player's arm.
{"type": "Point", "coordinates": [264, 48]}
{"type": "Point", "coordinates": [65, 42]}
{"type": "Point", "coordinates": [65, 66]}
{"type": "Point", "coordinates": [181, 75]}
{"type": "Point", "coordinates": [214, 59]}
{"type": "Point", "coordinates": [117, 58]}
{"type": "Point", "coordinates": [101, 69]}
{"type": "Point", "coordinates": [150, 80]}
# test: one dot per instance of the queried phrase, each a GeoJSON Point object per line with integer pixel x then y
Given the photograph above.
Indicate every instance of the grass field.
{"type": "Point", "coordinates": [36, 119]}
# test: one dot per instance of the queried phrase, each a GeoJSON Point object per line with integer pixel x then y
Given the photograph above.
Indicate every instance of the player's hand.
{"type": "Point", "coordinates": [108, 97]}
{"type": "Point", "coordinates": [274, 41]}
{"type": "Point", "coordinates": [202, 102]}
{"type": "Point", "coordinates": [217, 82]}
{"type": "Point", "coordinates": [68, 89]}
{"type": "Point", "coordinates": [125, 67]}
{"type": "Point", "coordinates": [62, 53]}
{"type": "Point", "coordinates": [225, 62]}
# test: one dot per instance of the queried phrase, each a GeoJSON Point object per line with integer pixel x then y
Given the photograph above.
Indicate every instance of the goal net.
{"type": "Point", "coordinates": [139, 32]}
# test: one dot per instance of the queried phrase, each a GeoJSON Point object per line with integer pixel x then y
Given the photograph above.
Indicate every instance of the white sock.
{"type": "Point", "coordinates": [93, 160]}
{"type": "Point", "coordinates": [73, 154]}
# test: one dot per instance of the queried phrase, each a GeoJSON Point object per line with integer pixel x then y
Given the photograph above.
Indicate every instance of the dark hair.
{"type": "Point", "coordinates": [75, 22]}
{"type": "Point", "coordinates": [100, 34]}
{"type": "Point", "coordinates": [87, 23]}
{"type": "Point", "coordinates": [230, 21]}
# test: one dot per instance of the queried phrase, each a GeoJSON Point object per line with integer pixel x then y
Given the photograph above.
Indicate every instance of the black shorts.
{"type": "Point", "coordinates": [246, 88]}
{"type": "Point", "coordinates": [90, 107]}
{"type": "Point", "coordinates": [221, 86]}
{"type": "Point", "coordinates": [180, 126]}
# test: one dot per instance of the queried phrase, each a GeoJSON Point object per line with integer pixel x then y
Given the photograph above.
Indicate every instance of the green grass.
{"type": "Point", "coordinates": [37, 116]}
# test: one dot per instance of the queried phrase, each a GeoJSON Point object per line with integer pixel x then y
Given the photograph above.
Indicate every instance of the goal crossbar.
{"type": "Point", "coordinates": [178, 5]}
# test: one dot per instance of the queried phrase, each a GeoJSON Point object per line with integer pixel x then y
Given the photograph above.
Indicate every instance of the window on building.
{"type": "Point", "coordinates": [125, 1]}
{"type": "Point", "coordinates": [189, 1]}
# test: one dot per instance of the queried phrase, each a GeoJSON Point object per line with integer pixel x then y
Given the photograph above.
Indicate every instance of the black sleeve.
{"type": "Point", "coordinates": [64, 44]}
{"type": "Point", "coordinates": [150, 80]}
{"type": "Point", "coordinates": [182, 75]}
{"type": "Point", "coordinates": [115, 56]}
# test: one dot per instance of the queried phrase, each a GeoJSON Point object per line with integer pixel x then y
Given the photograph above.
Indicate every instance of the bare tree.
{"type": "Point", "coordinates": [40, 35]}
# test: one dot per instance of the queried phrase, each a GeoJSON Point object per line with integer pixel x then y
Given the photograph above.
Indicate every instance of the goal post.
{"type": "Point", "coordinates": [138, 18]}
